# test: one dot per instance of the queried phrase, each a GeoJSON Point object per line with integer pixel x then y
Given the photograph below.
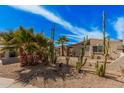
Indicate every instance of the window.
{"type": "Point", "coordinates": [94, 48]}
{"type": "Point", "coordinates": [12, 54]}
{"type": "Point", "coordinates": [97, 48]}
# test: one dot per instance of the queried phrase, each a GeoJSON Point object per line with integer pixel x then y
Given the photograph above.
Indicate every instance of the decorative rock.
{"type": "Point", "coordinates": [67, 75]}
{"type": "Point", "coordinates": [26, 71]}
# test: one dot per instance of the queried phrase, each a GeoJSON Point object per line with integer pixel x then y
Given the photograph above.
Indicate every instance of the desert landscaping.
{"type": "Point", "coordinates": [42, 76]}
{"type": "Point", "coordinates": [32, 60]}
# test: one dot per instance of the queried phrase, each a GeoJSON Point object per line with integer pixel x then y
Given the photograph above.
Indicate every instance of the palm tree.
{"type": "Point", "coordinates": [25, 44]}
{"type": "Point", "coordinates": [61, 40]}
{"type": "Point", "coordinates": [21, 40]}
{"type": "Point", "coordinates": [31, 47]}
{"type": "Point", "coordinates": [42, 44]}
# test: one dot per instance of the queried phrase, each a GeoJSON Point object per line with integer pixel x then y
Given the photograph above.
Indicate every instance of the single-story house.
{"type": "Point", "coordinates": [94, 48]}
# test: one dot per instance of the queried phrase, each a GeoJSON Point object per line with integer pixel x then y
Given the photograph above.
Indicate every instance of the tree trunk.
{"type": "Point", "coordinates": [62, 49]}
{"type": "Point", "coordinates": [30, 59]}
{"type": "Point", "coordinates": [21, 57]}
{"type": "Point", "coordinates": [36, 59]}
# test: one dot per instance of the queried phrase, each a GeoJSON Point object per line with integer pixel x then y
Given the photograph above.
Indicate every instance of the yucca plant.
{"type": "Point", "coordinates": [82, 60]}
{"type": "Point", "coordinates": [101, 68]}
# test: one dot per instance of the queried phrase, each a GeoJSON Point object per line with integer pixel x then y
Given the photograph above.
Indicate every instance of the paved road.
{"type": "Point", "coordinates": [11, 83]}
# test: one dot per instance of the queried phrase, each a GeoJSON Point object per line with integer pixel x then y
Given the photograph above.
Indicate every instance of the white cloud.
{"type": "Point", "coordinates": [78, 32]}
{"type": "Point", "coordinates": [91, 34]}
{"type": "Point", "coordinates": [119, 27]}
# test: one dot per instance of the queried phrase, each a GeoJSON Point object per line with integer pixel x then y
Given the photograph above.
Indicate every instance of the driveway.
{"type": "Point", "coordinates": [11, 83]}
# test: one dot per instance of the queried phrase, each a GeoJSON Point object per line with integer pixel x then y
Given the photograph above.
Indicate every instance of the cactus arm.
{"type": "Point", "coordinates": [84, 62]}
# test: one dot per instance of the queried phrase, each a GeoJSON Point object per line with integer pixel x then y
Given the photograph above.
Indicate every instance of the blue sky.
{"type": "Point", "coordinates": [73, 21]}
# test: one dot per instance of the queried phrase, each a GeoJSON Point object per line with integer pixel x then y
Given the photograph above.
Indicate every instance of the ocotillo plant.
{"type": "Point", "coordinates": [82, 61]}
{"type": "Point", "coordinates": [52, 51]}
{"type": "Point", "coordinates": [101, 68]}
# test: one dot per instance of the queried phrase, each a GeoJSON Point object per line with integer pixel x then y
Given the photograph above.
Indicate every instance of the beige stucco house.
{"type": "Point", "coordinates": [7, 56]}
{"type": "Point", "coordinates": [94, 48]}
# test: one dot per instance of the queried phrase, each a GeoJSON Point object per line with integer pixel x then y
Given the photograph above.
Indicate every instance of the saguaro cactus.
{"type": "Point", "coordinates": [101, 68]}
{"type": "Point", "coordinates": [82, 60]}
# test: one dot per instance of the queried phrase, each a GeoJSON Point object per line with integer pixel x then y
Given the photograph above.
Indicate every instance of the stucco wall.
{"type": "Point", "coordinates": [113, 51]}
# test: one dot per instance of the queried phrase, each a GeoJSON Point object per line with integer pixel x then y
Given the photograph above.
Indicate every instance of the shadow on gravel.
{"type": "Point", "coordinates": [49, 72]}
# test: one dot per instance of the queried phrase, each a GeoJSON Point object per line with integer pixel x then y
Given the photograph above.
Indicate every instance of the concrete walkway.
{"type": "Point", "coordinates": [11, 83]}
{"type": "Point", "coordinates": [116, 65]}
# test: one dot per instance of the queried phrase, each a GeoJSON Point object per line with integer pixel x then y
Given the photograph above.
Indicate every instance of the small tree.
{"type": "Point", "coordinates": [62, 40]}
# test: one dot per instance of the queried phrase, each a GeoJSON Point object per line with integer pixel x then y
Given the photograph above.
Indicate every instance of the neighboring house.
{"type": "Point", "coordinates": [59, 50]}
{"type": "Point", "coordinates": [7, 53]}
{"type": "Point", "coordinates": [94, 48]}
{"type": "Point", "coordinates": [7, 56]}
